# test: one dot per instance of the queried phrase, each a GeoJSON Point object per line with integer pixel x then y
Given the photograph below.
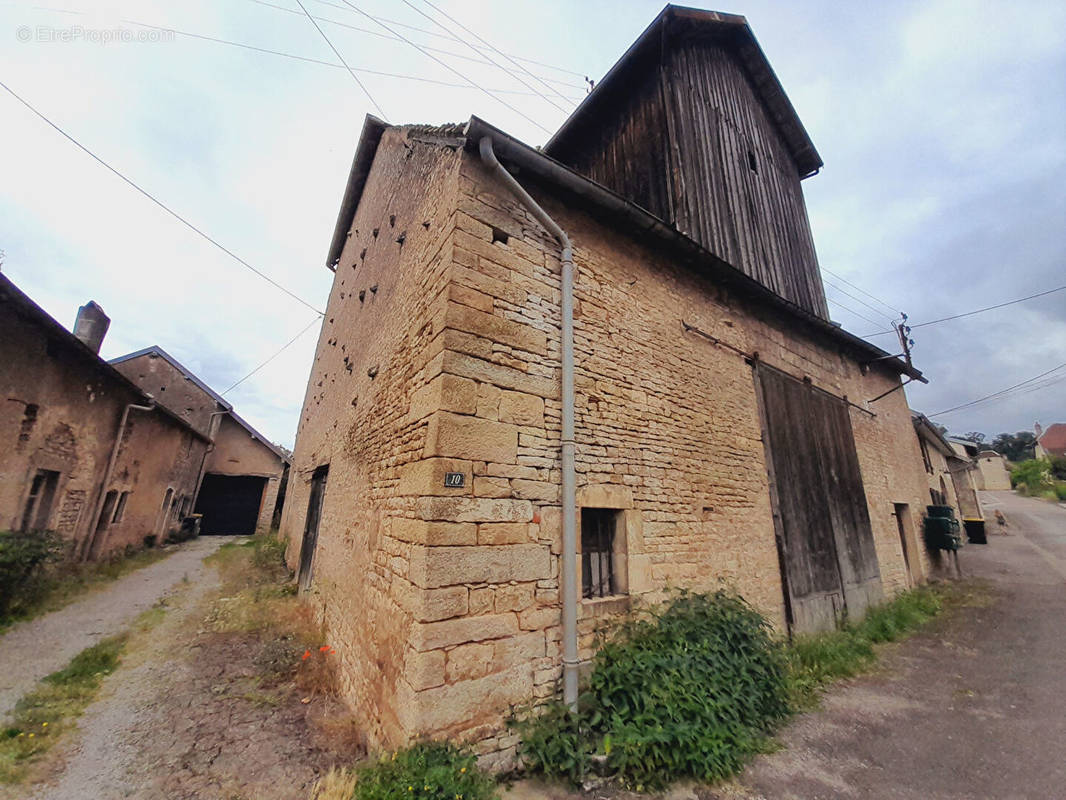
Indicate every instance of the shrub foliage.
{"type": "Point", "coordinates": [694, 688]}
{"type": "Point", "coordinates": [22, 556]}
{"type": "Point", "coordinates": [690, 689]}
{"type": "Point", "coordinates": [426, 771]}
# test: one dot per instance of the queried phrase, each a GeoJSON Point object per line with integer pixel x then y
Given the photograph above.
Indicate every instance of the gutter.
{"type": "Point", "coordinates": [630, 219]}
{"type": "Point", "coordinates": [569, 554]}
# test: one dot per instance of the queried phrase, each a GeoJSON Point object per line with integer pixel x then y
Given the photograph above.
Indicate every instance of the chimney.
{"type": "Point", "coordinates": [91, 325]}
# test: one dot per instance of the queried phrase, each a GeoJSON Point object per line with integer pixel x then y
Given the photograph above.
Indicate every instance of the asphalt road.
{"type": "Point", "coordinates": [974, 707]}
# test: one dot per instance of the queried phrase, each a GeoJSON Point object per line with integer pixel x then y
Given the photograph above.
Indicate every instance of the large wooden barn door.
{"type": "Point", "coordinates": [828, 562]}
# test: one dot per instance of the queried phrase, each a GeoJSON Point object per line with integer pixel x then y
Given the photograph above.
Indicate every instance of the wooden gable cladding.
{"type": "Point", "coordinates": [735, 188]}
{"type": "Point", "coordinates": [692, 126]}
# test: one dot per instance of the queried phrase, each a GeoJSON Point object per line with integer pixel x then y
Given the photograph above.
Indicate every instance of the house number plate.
{"type": "Point", "coordinates": [454, 480]}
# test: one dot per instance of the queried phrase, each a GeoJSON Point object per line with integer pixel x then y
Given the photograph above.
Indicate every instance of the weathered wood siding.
{"type": "Point", "coordinates": [628, 151]}
{"type": "Point", "coordinates": [691, 142]}
{"type": "Point", "coordinates": [737, 191]}
{"type": "Point", "coordinates": [829, 564]}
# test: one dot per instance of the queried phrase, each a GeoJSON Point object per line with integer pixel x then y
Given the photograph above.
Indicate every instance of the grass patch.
{"type": "Point", "coordinates": [815, 661]}
{"type": "Point", "coordinates": [258, 600]}
{"type": "Point", "coordinates": [42, 716]}
{"type": "Point", "coordinates": [59, 584]}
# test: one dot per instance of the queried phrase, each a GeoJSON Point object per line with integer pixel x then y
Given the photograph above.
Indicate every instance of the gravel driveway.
{"type": "Point", "coordinates": [36, 648]}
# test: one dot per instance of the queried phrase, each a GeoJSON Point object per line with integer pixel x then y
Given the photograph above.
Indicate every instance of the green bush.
{"type": "Point", "coordinates": [556, 742]}
{"type": "Point", "coordinates": [693, 689]}
{"type": "Point", "coordinates": [1032, 476]}
{"type": "Point", "coordinates": [426, 771]}
{"type": "Point", "coordinates": [689, 690]}
{"type": "Point", "coordinates": [1060, 492]}
{"type": "Point", "coordinates": [1058, 467]}
{"type": "Point", "coordinates": [22, 559]}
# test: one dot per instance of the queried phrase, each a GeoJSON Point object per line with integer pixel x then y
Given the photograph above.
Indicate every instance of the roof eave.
{"type": "Point", "coordinates": [762, 74]}
{"type": "Point", "coordinates": [369, 138]}
{"type": "Point", "coordinates": [642, 223]}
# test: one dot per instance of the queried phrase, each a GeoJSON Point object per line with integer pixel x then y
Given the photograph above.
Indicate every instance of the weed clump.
{"type": "Point", "coordinates": [688, 690]}
{"type": "Point", "coordinates": [426, 771]}
{"type": "Point", "coordinates": [23, 556]}
{"type": "Point", "coordinates": [816, 660]}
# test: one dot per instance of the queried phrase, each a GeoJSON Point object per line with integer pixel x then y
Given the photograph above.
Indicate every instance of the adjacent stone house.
{"type": "Point", "coordinates": [243, 470]}
{"type": "Point", "coordinates": [468, 505]}
{"type": "Point", "coordinates": [994, 474]}
{"type": "Point", "coordinates": [84, 451]}
{"type": "Point", "coordinates": [951, 475]}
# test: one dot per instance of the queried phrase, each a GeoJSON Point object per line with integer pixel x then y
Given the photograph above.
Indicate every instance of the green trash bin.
{"type": "Point", "coordinates": [942, 533]}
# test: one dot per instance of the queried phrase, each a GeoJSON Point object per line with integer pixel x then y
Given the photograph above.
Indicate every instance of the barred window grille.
{"type": "Point", "coordinates": [597, 552]}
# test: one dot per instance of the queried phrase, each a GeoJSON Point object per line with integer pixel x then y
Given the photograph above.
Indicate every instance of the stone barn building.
{"type": "Point", "coordinates": [528, 411]}
{"type": "Point", "coordinates": [84, 451]}
{"type": "Point", "coordinates": [994, 474]}
{"type": "Point", "coordinates": [243, 470]}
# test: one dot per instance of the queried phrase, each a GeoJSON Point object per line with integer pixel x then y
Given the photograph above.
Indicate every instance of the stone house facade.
{"type": "Point", "coordinates": [85, 452]}
{"type": "Point", "coordinates": [243, 471]}
{"type": "Point", "coordinates": [727, 433]}
{"type": "Point", "coordinates": [949, 469]}
{"type": "Point", "coordinates": [993, 475]}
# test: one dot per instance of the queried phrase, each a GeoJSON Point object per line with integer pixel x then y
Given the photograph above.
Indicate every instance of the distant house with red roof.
{"type": "Point", "coordinates": [1051, 442]}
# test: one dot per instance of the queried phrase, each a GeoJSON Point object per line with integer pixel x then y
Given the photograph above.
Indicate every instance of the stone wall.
{"type": "Point", "coordinates": [60, 409]}
{"type": "Point", "coordinates": [157, 455]}
{"type": "Point", "coordinates": [383, 321]}
{"type": "Point", "coordinates": [994, 474]}
{"type": "Point", "coordinates": [172, 388]}
{"type": "Point", "coordinates": [447, 599]}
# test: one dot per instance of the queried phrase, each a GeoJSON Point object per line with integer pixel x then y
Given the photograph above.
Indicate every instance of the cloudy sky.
{"type": "Point", "coordinates": [942, 125]}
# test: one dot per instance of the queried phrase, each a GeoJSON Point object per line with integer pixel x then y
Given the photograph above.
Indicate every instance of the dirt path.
{"type": "Point", "coordinates": [33, 649]}
{"type": "Point", "coordinates": [187, 716]}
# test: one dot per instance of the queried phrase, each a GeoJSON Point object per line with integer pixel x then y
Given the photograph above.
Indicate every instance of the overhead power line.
{"type": "Point", "coordinates": [156, 200]}
{"type": "Point", "coordinates": [283, 348]}
{"type": "Point", "coordinates": [976, 311]}
{"type": "Point", "coordinates": [336, 52]}
{"type": "Point", "coordinates": [490, 58]}
{"type": "Point", "coordinates": [858, 299]}
{"type": "Point", "coordinates": [851, 310]}
{"type": "Point", "coordinates": [456, 22]}
{"type": "Point", "coordinates": [396, 37]}
{"type": "Point", "coordinates": [307, 59]}
{"type": "Point", "coordinates": [448, 67]}
{"type": "Point", "coordinates": [893, 310]}
{"type": "Point", "coordinates": [452, 37]}
{"type": "Point", "coordinates": [1001, 392]}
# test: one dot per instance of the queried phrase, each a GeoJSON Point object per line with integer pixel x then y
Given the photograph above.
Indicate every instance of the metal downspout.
{"type": "Point", "coordinates": [94, 520]}
{"type": "Point", "coordinates": [213, 434]}
{"type": "Point", "coordinates": [569, 554]}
